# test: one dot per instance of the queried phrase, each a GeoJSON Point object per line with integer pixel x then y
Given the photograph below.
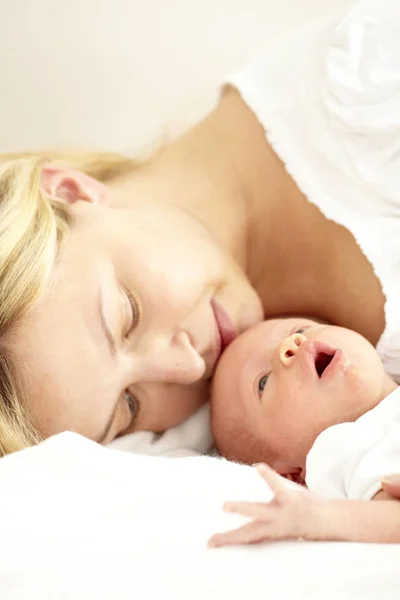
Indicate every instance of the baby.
{"type": "Point", "coordinates": [314, 402]}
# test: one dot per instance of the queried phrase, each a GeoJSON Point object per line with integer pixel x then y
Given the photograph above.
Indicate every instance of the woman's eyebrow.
{"type": "Point", "coordinates": [112, 343]}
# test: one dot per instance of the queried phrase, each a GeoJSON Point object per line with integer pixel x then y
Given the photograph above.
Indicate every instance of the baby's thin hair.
{"type": "Point", "coordinates": [234, 441]}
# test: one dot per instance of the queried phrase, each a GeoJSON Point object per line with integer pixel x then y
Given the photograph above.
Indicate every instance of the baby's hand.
{"type": "Point", "coordinates": [291, 514]}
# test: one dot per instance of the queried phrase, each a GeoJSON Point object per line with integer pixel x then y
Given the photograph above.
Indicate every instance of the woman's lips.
{"type": "Point", "coordinates": [227, 330]}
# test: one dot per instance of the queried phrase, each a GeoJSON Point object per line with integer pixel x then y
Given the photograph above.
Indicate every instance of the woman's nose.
{"type": "Point", "coordinates": [172, 361]}
{"type": "Point", "coordinates": [289, 348]}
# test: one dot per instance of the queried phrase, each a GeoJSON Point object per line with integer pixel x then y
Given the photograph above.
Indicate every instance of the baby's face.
{"type": "Point", "coordinates": [286, 380]}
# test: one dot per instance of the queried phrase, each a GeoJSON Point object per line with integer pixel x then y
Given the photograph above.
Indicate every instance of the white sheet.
{"type": "Point", "coordinates": [81, 521]}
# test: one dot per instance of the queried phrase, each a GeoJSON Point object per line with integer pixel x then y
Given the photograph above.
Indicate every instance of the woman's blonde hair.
{"type": "Point", "coordinates": [32, 228]}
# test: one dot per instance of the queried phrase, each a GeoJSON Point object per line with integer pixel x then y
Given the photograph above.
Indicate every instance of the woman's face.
{"type": "Point", "coordinates": [143, 300]}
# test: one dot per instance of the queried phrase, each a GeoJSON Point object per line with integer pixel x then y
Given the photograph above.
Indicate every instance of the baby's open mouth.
{"type": "Point", "coordinates": [322, 361]}
{"type": "Point", "coordinates": [324, 358]}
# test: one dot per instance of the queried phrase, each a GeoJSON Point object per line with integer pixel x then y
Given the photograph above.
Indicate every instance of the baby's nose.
{"type": "Point", "coordinates": [289, 348]}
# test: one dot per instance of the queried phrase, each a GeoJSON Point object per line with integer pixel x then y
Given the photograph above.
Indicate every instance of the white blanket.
{"type": "Point", "coordinates": [81, 521]}
{"type": "Point", "coordinates": [191, 438]}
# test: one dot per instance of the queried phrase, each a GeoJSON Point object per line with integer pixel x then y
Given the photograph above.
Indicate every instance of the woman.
{"type": "Point", "coordinates": [121, 284]}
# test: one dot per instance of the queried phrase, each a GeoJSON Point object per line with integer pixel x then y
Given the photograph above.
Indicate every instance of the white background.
{"type": "Point", "coordinates": [119, 74]}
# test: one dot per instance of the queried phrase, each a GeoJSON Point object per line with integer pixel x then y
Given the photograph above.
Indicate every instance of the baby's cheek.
{"type": "Point", "coordinates": [275, 431]}
{"type": "Point", "coordinates": [284, 432]}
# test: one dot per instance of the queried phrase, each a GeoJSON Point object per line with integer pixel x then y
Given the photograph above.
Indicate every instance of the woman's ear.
{"type": "Point", "coordinates": [70, 186]}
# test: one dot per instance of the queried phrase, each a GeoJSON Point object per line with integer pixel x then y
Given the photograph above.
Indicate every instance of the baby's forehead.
{"type": "Point", "coordinates": [272, 329]}
{"type": "Point", "coordinates": [277, 328]}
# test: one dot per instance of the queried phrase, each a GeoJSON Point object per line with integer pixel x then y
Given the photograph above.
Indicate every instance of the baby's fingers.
{"type": "Point", "coordinates": [254, 510]}
{"type": "Point", "coordinates": [250, 533]}
{"type": "Point", "coordinates": [275, 482]}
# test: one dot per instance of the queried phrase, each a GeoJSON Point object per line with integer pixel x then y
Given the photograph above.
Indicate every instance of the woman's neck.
{"type": "Point", "coordinates": [214, 172]}
{"type": "Point", "coordinates": [225, 172]}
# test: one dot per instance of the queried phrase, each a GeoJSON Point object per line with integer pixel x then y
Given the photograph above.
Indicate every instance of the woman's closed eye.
{"type": "Point", "coordinates": [133, 312]}
{"type": "Point", "coordinates": [133, 405]}
{"type": "Point", "coordinates": [124, 419]}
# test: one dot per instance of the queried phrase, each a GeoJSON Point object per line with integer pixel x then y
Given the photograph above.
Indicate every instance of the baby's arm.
{"type": "Point", "coordinates": [344, 470]}
{"type": "Point", "coordinates": [362, 520]}
{"type": "Point", "coordinates": [294, 514]}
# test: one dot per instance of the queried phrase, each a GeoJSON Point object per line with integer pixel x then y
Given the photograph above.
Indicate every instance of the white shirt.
{"type": "Point", "coordinates": [349, 460]}
{"type": "Point", "coordinates": [329, 100]}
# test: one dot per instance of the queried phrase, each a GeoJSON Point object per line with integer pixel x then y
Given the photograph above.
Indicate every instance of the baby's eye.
{"type": "Point", "coordinates": [262, 383]}
{"type": "Point", "coordinates": [301, 330]}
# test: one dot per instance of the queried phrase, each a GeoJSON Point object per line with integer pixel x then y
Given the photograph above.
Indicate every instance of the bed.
{"type": "Point", "coordinates": [82, 521]}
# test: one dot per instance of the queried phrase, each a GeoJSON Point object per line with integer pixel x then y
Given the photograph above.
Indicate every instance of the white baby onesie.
{"type": "Point", "coordinates": [349, 460]}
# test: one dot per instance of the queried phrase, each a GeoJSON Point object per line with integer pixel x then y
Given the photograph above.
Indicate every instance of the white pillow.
{"type": "Point", "coordinates": [82, 521]}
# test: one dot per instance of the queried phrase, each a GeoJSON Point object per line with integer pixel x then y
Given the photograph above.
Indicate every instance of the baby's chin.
{"type": "Point", "coordinates": [389, 385]}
